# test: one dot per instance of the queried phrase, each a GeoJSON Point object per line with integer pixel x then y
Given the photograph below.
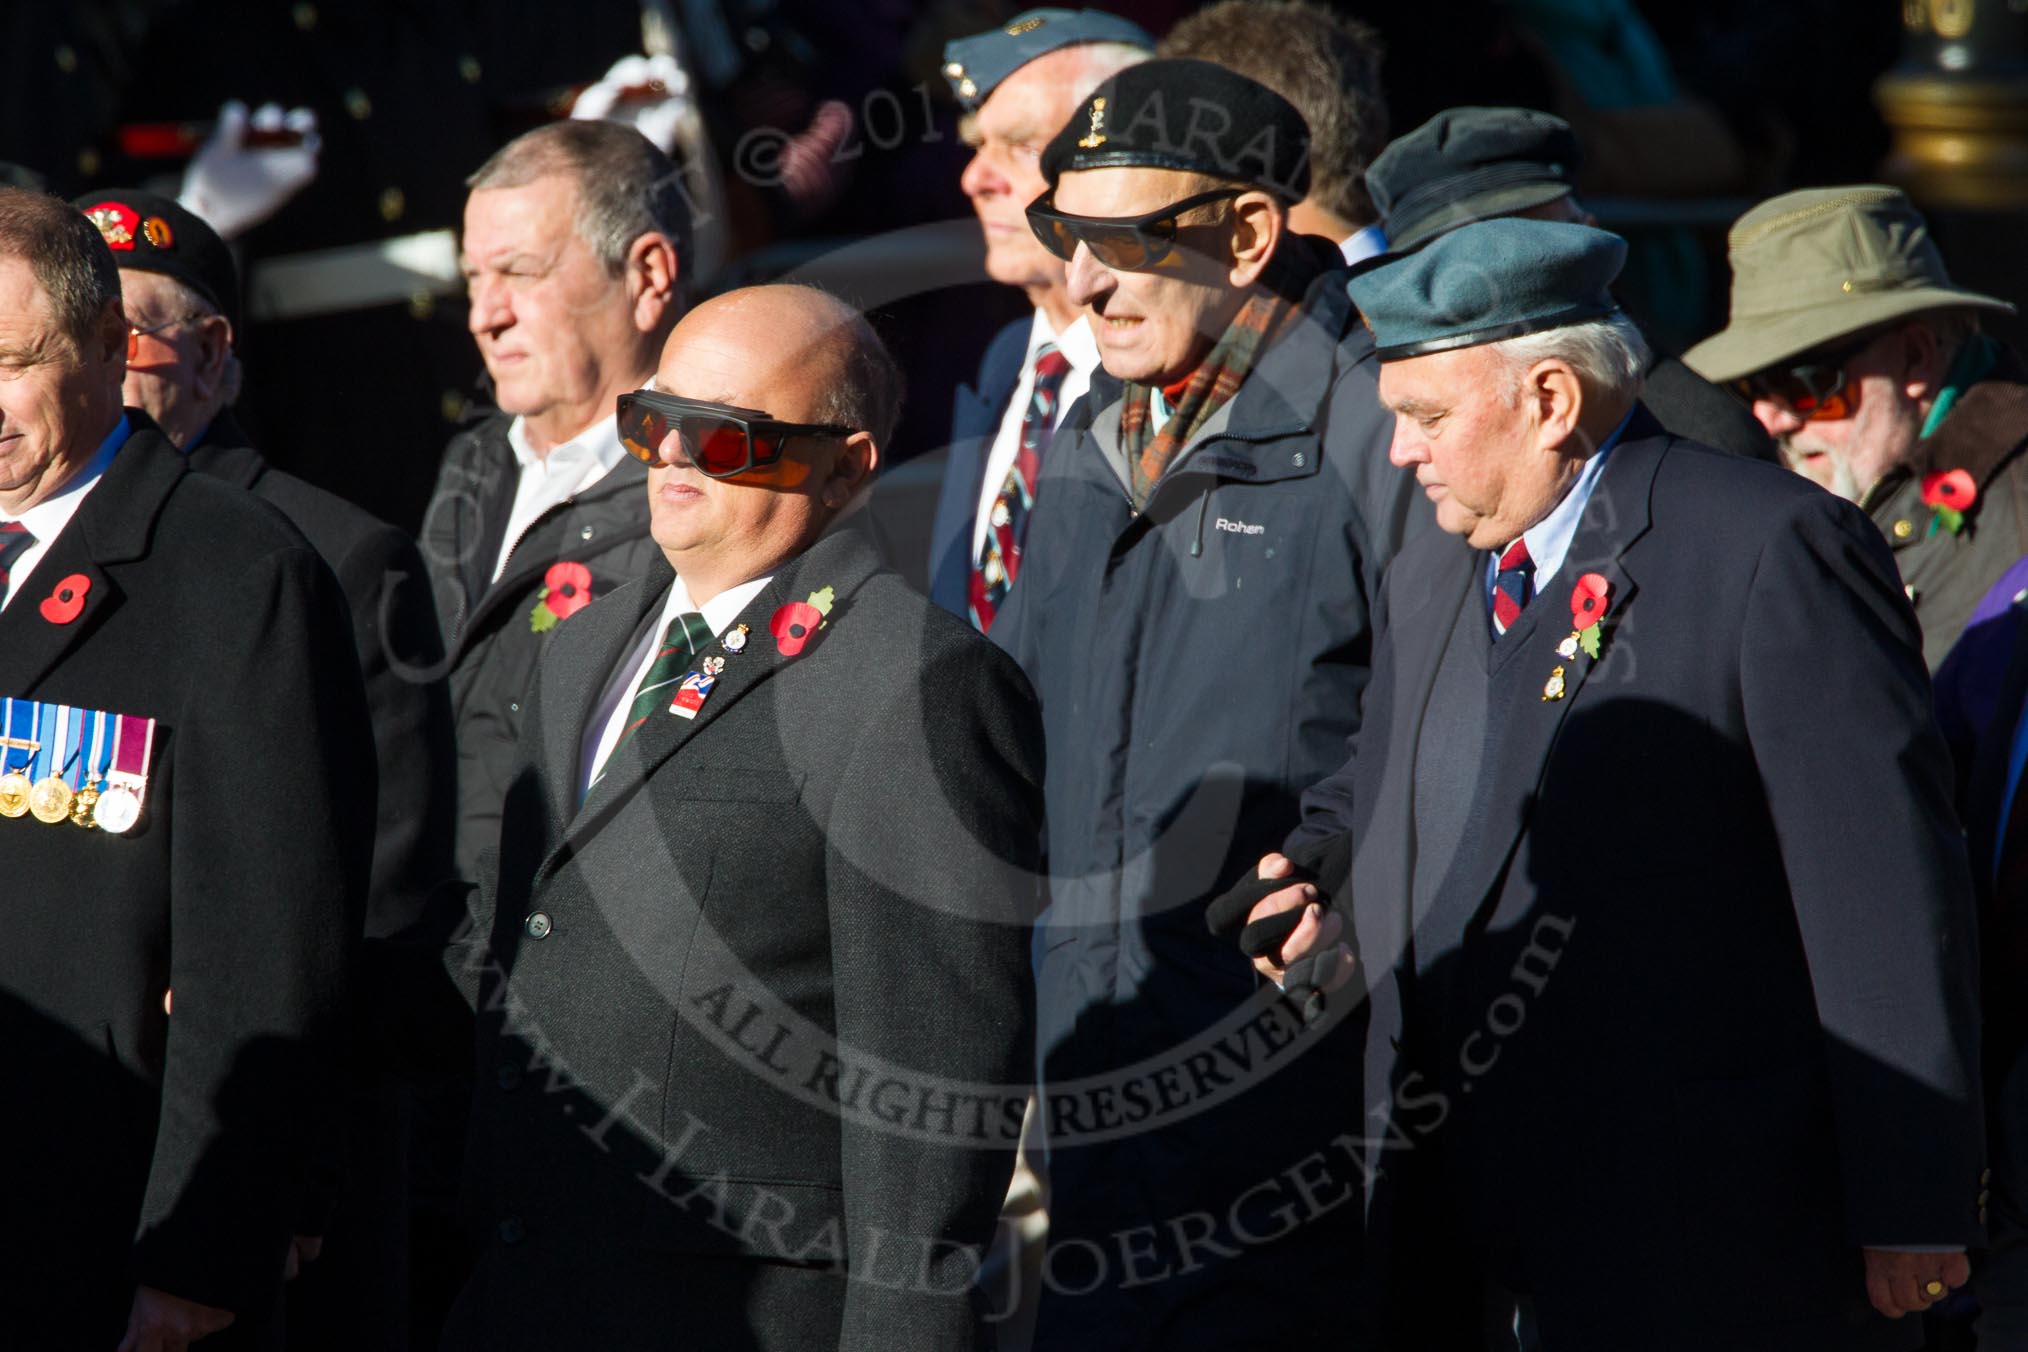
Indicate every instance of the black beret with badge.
{"type": "Point", "coordinates": [1192, 116]}
{"type": "Point", "coordinates": [977, 64]}
{"type": "Point", "coordinates": [151, 233]}
{"type": "Point", "coordinates": [1470, 164]}
{"type": "Point", "coordinates": [1488, 282]}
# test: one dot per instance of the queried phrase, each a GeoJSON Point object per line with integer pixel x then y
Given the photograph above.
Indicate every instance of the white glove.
{"type": "Point", "coordinates": [617, 98]}
{"type": "Point", "coordinates": [235, 187]}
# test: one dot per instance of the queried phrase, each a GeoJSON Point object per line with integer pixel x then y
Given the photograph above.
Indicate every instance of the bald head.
{"type": "Point", "coordinates": [798, 355]}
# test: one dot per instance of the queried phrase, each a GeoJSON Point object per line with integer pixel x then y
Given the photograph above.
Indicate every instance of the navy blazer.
{"type": "Point", "coordinates": [1693, 1006]}
{"type": "Point", "coordinates": [975, 418]}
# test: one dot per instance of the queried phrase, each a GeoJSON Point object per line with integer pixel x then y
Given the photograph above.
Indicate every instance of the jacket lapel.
{"type": "Point", "coordinates": [841, 561]}
{"type": "Point", "coordinates": [1522, 723]}
{"type": "Point", "coordinates": [111, 527]}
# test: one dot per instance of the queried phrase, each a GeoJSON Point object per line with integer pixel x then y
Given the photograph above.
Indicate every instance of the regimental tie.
{"type": "Point", "coordinates": [1513, 585]}
{"type": "Point", "coordinates": [999, 557]}
{"type": "Point", "coordinates": [688, 635]}
{"type": "Point", "coordinates": [14, 541]}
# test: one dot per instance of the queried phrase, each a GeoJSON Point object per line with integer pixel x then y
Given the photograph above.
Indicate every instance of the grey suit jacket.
{"type": "Point", "coordinates": [755, 1015]}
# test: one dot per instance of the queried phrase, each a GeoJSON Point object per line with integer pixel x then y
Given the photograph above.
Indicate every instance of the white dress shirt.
{"type": "Point", "coordinates": [1080, 348]}
{"type": "Point", "coordinates": [46, 519]}
{"type": "Point", "coordinates": [609, 716]}
{"type": "Point", "coordinates": [546, 481]}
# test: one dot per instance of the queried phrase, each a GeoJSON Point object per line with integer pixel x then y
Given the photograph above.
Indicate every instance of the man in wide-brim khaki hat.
{"type": "Point", "coordinates": [1866, 364]}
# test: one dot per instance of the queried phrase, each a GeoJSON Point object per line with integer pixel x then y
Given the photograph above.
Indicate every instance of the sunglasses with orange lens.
{"type": "Point", "coordinates": [719, 439]}
{"type": "Point", "coordinates": [1815, 389]}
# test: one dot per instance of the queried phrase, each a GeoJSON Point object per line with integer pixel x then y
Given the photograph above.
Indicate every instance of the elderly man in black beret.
{"type": "Point", "coordinates": [1659, 1049]}
{"type": "Point", "coordinates": [1208, 540]}
{"type": "Point", "coordinates": [1474, 164]}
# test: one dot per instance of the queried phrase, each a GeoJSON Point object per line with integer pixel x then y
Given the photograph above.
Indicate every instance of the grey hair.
{"type": "Point", "coordinates": [67, 255]}
{"type": "Point", "coordinates": [1099, 62]}
{"type": "Point", "coordinates": [626, 187]}
{"type": "Point", "coordinates": [1609, 354]}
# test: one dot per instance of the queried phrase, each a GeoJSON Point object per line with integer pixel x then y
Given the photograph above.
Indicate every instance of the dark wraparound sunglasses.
{"type": "Point", "coordinates": [1128, 243]}
{"type": "Point", "coordinates": [1814, 387]}
{"type": "Point", "coordinates": [717, 438]}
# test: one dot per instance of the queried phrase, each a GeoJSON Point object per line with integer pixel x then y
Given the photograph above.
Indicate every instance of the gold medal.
{"type": "Point", "coordinates": [14, 791]}
{"type": "Point", "coordinates": [50, 800]}
{"type": "Point", "coordinates": [81, 807]}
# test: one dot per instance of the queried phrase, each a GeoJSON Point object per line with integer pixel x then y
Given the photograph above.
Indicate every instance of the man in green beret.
{"type": "Point", "coordinates": [1208, 539]}
{"type": "Point", "coordinates": [1868, 366]}
{"type": "Point", "coordinates": [1661, 1052]}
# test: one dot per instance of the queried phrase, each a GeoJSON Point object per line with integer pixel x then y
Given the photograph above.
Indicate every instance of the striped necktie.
{"type": "Point", "coordinates": [686, 637]}
{"type": "Point", "coordinates": [1513, 585]}
{"type": "Point", "coordinates": [14, 542]}
{"type": "Point", "coordinates": [999, 556]}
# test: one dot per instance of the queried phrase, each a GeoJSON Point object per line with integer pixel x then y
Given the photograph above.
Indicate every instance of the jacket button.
{"type": "Point", "coordinates": [1903, 529]}
{"type": "Point", "coordinates": [511, 1231]}
{"type": "Point", "coordinates": [515, 707]}
{"type": "Point", "coordinates": [509, 1076]}
{"type": "Point", "coordinates": [585, 534]}
{"type": "Point", "coordinates": [538, 925]}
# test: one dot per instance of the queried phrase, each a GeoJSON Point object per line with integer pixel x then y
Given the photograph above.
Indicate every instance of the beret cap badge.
{"type": "Point", "coordinates": [1025, 26]}
{"type": "Point", "coordinates": [1096, 137]}
{"type": "Point", "coordinates": [158, 232]}
{"type": "Point", "coordinates": [115, 223]}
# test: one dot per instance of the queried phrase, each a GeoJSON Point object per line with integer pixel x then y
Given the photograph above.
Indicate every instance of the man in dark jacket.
{"type": "Point", "coordinates": [180, 292]}
{"type": "Point", "coordinates": [1868, 367]}
{"type": "Point", "coordinates": [182, 698]}
{"type": "Point", "coordinates": [1210, 533]}
{"type": "Point", "coordinates": [1473, 164]}
{"type": "Point", "coordinates": [573, 247]}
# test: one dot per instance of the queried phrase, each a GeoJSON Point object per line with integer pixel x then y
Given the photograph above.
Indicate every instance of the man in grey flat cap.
{"type": "Point", "coordinates": [1474, 164]}
{"type": "Point", "coordinates": [1017, 83]}
{"type": "Point", "coordinates": [1213, 523]}
{"type": "Point", "coordinates": [1868, 366]}
{"type": "Point", "coordinates": [1661, 1053]}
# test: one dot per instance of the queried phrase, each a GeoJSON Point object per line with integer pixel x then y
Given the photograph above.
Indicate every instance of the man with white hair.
{"type": "Point", "coordinates": [1661, 1052]}
{"type": "Point", "coordinates": [1017, 84]}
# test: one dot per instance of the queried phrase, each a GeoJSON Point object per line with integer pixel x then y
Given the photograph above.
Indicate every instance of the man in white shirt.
{"type": "Point", "coordinates": [575, 241]}
{"type": "Point", "coordinates": [768, 771]}
{"type": "Point", "coordinates": [1017, 84]}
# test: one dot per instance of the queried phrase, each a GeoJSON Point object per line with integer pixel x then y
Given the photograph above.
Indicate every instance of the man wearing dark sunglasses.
{"type": "Point", "coordinates": [1866, 364]}
{"type": "Point", "coordinates": [778, 822]}
{"type": "Point", "coordinates": [1212, 524]}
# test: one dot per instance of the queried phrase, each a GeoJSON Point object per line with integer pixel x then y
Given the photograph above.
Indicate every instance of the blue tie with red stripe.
{"type": "Point", "coordinates": [14, 541]}
{"type": "Point", "coordinates": [1513, 585]}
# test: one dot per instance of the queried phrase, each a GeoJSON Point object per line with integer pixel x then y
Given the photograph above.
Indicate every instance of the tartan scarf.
{"type": "Point", "coordinates": [1275, 302]}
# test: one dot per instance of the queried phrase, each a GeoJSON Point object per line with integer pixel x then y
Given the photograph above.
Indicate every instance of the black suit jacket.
{"type": "Point", "coordinates": [1690, 1016]}
{"type": "Point", "coordinates": [755, 1015]}
{"type": "Point", "coordinates": [149, 1148]}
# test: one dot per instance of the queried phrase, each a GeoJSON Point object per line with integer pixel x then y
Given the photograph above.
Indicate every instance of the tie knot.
{"type": "Point", "coordinates": [1516, 557]}
{"type": "Point", "coordinates": [1051, 364]}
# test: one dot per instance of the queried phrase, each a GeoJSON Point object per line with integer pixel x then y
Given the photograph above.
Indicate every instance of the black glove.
{"type": "Point", "coordinates": [1327, 865]}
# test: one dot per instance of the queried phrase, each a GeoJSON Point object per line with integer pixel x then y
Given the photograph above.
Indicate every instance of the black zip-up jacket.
{"type": "Point", "coordinates": [490, 628]}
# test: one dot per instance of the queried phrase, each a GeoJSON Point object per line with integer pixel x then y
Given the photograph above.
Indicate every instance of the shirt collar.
{"type": "Point", "coordinates": [721, 610]}
{"type": "Point", "coordinates": [1077, 342]}
{"type": "Point", "coordinates": [1548, 540]}
{"type": "Point", "coordinates": [1361, 245]}
{"type": "Point", "coordinates": [46, 519]}
{"type": "Point", "coordinates": [599, 444]}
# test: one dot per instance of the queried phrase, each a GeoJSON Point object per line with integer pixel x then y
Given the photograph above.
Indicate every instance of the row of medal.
{"type": "Point", "coordinates": [54, 759]}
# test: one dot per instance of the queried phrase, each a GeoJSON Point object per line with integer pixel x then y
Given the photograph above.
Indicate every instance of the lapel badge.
{"type": "Point", "coordinates": [796, 623]}
{"type": "Point", "coordinates": [712, 665]}
{"type": "Point", "coordinates": [67, 601]}
{"type": "Point", "coordinates": [1554, 689]}
{"type": "Point", "coordinates": [1590, 599]}
{"type": "Point", "coordinates": [690, 695]}
{"type": "Point", "coordinates": [735, 639]}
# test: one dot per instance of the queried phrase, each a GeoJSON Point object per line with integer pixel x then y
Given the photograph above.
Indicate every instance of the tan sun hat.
{"type": "Point", "coordinates": [1812, 266]}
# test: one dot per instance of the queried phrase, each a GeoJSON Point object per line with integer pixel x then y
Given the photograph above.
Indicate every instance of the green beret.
{"type": "Point", "coordinates": [1188, 115]}
{"type": "Point", "coordinates": [1488, 282]}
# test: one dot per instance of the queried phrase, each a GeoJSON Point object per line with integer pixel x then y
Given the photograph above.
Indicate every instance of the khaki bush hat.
{"type": "Point", "coordinates": [1813, 266]}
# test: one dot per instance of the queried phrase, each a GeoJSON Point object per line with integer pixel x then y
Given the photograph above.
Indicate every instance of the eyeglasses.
{"type": "Point", "coordinates": [163, 354]}
{"type": "Point", "coordinates": [1814, 389]}
{"type": "Point", "coordinates": [718, 439]}
{"type": "Point", "coordinates": [1128, 243]}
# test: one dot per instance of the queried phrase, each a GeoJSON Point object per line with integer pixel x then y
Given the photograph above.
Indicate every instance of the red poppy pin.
{"type": "Point", "coordinates": [67, 601]}
{"type": "Point", "coordinates": [796, 623]}
{"type": "Point", "coordinates": [1949, 494]}
{"type": "Point", "coordinates": [1590, 599]}
{"type": "Point", "coordinates": [566, 589]}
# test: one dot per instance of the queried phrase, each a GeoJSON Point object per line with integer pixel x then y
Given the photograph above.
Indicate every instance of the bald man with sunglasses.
{"type": "Point", "coordinates": [1196, 614]}
{"type": "Point", "coordinates": [754, 1012]}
